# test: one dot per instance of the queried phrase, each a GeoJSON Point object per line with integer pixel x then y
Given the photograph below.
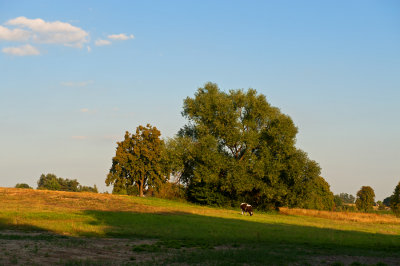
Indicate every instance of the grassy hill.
{"type": "Point", "coordinates": [89, 229]}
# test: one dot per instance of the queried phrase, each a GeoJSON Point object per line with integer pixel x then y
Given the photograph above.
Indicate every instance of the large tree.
{"type": "Point", "coordinates": [241, 148]}
{"type": "Point", "coordinates": [365, 199]}
{"type": "Point", "coordinates": [138, 160]}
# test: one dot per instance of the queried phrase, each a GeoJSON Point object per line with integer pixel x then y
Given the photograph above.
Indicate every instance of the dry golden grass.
{"type": "Point", "coordinates": [344, 216]}
{"type": "Point", "coordinates": [17, 199]}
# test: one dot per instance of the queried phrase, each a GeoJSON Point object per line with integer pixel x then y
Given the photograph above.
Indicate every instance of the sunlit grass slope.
{"type": "Point", "coordinates": [102, 215]}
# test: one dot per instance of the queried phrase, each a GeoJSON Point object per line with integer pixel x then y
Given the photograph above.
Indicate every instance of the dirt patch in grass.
{"type": "Point", "coordinates": [37, 248]}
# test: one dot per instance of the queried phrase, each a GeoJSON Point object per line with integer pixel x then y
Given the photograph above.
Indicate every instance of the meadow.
{"type": "Point", "coordinates": [66, 228]}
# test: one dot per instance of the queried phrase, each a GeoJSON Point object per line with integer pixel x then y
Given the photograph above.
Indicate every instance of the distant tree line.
{"type": "Point", "coordinates": [365, 201]}
{"type": "Point", "coordinates": [52, 182]}
{"type": "Point", "coordinates": [235, 148]}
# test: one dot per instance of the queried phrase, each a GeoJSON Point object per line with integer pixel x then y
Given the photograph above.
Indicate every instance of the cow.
{"type": "Point", "coordinates": [246, 208]}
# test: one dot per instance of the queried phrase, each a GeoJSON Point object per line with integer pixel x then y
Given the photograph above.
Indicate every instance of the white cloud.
{"type": "Point", "coordinates": [85, 110]}
{"type": "Point", "coordinates": [21, 50]}
{"type": "Point", "coordinates": [120, 37]}
{"type": "Point", "coordinates": [89, 49]}
{"type": "Point", "coordinates": [56, 32]}
{"type": "Point", "coordinates": [102, 42]}
{"type": "Point", "coordinates": [76, 84]}
{"type": "Point", "coordinates": [14, 34]}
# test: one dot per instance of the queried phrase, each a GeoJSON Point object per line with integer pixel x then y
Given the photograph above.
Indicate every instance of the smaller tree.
{"type": "Point", "coordinates": [22, 185]}
{"type": "Point", "coordinates": [395, 200]}
{"type": "Point", "coordinates": [138, 161]}
{"type": "Point", "coordinates": [365, 199]}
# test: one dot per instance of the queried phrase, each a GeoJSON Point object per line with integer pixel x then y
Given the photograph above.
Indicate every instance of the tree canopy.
{"type": "Point", "coordinates": [365, 198]}
{"type": "Point", "coordinates": [138, 161]}
{"type": "Point", "coordinates": [237, 147]}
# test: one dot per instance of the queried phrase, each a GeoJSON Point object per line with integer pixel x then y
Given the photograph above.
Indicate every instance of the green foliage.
{"type": "Point", "coordinates": [206, 194]}
{"type": "Point", "coordinates": [380, 204]}
{"type": "Point", "coordinates": [344, 201]}
{"type": "Point", "coordinates": [338, 201]}
{"type": "Point", "coordinates": [138, 161]}
{"type": "Point", "coordinates": [51, 182]}
{"type": "Point", "coordinates": [88, 189]}
{"type": "Point", "coordinates": [237, 147]}
{"type": "Point", "coordinates": [170, 190]}
{"type": "Point", "coordinates": [122, 189]}
{"type": "Point", "coordinates": [22, 185]}
{"type": "Point", "coordinates": [318, 195]}
{"type": "Point", "coordinates": [386, 201]}
{"type": "Point", "coordinates": [365, 199]}
{"type": "Point", "coordinates": [347, 198]}
{"type": "Point", "coordinates": [395, 200]}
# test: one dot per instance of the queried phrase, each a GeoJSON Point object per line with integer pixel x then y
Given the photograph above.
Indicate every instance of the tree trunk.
{"type": "Point", "coordinates": [141, 187]}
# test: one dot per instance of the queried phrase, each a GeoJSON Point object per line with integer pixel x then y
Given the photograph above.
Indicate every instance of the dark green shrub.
{"type": "Point", "coordinates": [22, 185]}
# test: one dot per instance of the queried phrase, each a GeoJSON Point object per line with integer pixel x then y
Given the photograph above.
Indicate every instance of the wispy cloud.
{"type": "Point", "coordinates": [76, 84]}
{"type": "Point", "coordinates": [102, 42]}
{"type": "Point", "coordinates": [21, 50]}
{"type": "Point", "coordinates": [84, 110]}
{"type": "Point", "coordinates": [120, 37]}
{"type": "Point", "coordinates": [113, 37]}
{"type": "Point", "coordinates": [41, 31]}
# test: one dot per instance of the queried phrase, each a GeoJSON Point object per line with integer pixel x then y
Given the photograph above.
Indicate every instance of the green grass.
{"type": "Point", "coordinates": [198, 235]}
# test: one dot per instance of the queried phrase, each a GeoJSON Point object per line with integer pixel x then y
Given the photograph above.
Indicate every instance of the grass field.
{"type": "Point", "coordinates": [48, 227]}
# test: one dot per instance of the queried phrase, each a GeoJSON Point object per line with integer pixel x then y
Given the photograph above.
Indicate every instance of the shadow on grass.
{"type": "Point", "coordinates": [226, 240]}
{"type": "Point", "coordinates": [222, 231]}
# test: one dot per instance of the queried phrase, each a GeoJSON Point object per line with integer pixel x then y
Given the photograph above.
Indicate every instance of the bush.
{"type": "Point", "coordinates": [170, 191]}
{"type": "Point", "coordinates": [206, 194]}
{"type": "Point", "coordinates": [120, 189]}
{"type": "Point", "coordinates": [22, 185]}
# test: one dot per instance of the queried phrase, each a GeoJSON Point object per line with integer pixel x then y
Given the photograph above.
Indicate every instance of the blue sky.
{"type": "Point", "coordinates": [75, 75]}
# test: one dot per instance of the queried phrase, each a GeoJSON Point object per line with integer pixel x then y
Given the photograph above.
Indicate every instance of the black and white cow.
{"type": "Point", "coordinates": [246, 208]}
